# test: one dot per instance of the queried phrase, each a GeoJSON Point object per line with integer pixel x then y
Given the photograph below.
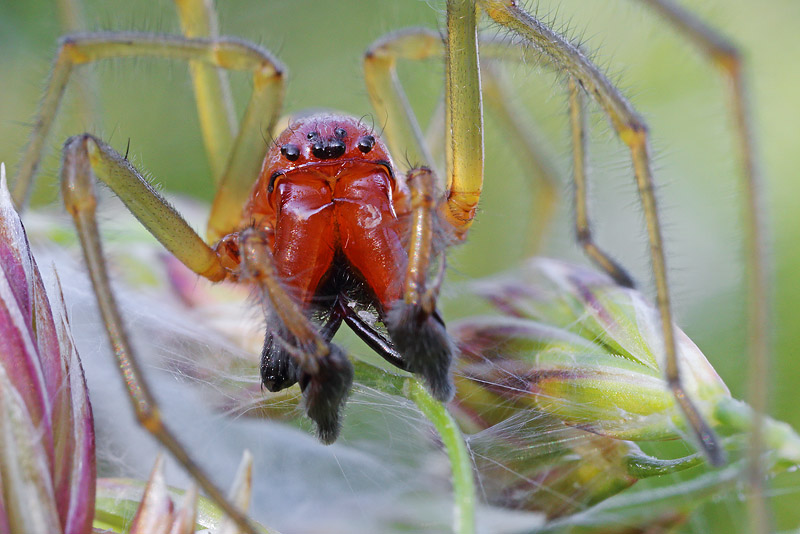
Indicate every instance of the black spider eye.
{"type": "Point", "coordinates": [341, 133]}
{"type": "Point", "coordinates": [312, 135]}
{"type": "Point", "coordinates": [290, 152]}
{"type": "Point", "coordinates": [366, 143]}
{"type": "Point", "coordinates": [331, 149]}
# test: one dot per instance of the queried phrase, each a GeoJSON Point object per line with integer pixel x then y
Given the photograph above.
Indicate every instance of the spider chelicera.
{"type": "Point", "coordinates": [333, 227]}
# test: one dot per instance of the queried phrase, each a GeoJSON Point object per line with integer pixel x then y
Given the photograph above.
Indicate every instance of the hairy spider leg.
{"type": "Point", "coordinates": [722, 53]}
{"type": "Point", "coordinates": [212, 92]}
{"type": "Point", "coordinates": [86, 157]}
{"type": "Point", "coordinates": [464, 151]}
{"type": "Point", "coordinates": [420, 44]}
{"type": "Point", "coordinates": [463, 125]}
{"type": "Point", "coordinates": [389, 99]}
{"type": "Point", "coordinates": [414, 324]}
{"type": "Point", "coordinates": [577, 121]}
{"type": "Point", "coordinates": [323, 369]}
{"type": "Point", "coordinates": [234, 54]}
{"type": "Point", "coordinates": [633, 132]}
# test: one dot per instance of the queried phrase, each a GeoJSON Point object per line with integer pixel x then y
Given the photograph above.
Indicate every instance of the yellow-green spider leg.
{"type": "Point", "coordinates": [212, 91]}
{"type": "Point", "coordinates": [86, 159]}
{"type": "Point", "coordinates": [577, 120]}
{"type": "Point", "coordinates": [248, 149]}
{"type": "Point", "coordinates": [403, 133]}
{"type": "Point", "coordinates": [632, 130]}
{"type": "Point", "coordinates": [722, 53]}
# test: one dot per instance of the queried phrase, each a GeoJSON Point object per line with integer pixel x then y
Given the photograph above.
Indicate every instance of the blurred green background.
{"type": "Point", "coordinates": [682, 98]}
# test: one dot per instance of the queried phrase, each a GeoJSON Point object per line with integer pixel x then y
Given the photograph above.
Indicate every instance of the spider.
{"type": "Point", "coordinates": [329, 184]}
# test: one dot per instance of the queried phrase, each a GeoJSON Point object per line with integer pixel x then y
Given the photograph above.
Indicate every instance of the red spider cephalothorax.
{"type": "Point", "coordinates": [335, 217]}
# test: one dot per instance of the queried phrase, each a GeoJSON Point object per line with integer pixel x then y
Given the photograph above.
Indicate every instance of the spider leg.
{"type": "Point", "coordinates": [463, 117]}
{"type": "Point", "coordinates": [403, 132]}
{"type": "Point", "coordinates": [279, 368]}
{"type": "Point", "coordinates": [85, 159]}
{"type": "Point", "coordinates": [72, 19]}
{"type": "Point", "coordinates": [633, 132]}
{"type": "Point", "coordinates": [212, 91]}
{"type": "Point", "coordinates": [248, 148]}
{"type": "Point", "coordinates": [415, 326]}
{"type": "Point", "coordinates": [323, 369]}
{"type": "Point", "coordinates": [577, 120]}
{"type": "Point", "coordinates": [724, 54]}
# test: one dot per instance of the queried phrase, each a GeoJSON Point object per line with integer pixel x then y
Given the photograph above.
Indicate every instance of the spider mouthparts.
{"type": "Point", "coordinates": [422, 340]}
{"type": "Point", "coordinates": [326, 391]}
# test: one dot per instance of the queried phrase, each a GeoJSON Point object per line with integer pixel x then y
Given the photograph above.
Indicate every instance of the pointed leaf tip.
{"type": "Point", "coordinates": [240, 493]}
{"type": "Point", "coordinates": [154, 515]}
{"type": "Point", "coordinates": [185, 516]}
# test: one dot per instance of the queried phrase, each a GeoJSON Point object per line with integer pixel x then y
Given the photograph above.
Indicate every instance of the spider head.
{"type": "Point", "coordinates": [323, 140]}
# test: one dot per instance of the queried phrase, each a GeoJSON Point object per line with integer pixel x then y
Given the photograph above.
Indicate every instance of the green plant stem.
{"type": "Point", "coordinates": [391, 382]}
{"type": "Point", "coordinates": [460, 463]}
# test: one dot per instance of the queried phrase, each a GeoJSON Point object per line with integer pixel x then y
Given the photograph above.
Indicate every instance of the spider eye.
{"type": "Point", "coordinates": [341, 133]}
{"type": "Point", "coordinates": [290, 152]}
{"type": "Point", "coordinates": [330, 150]}
{"type": "Point", "coordinates": [366, 143]}
{"type": "Point", "coordinates": [312, 135]}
